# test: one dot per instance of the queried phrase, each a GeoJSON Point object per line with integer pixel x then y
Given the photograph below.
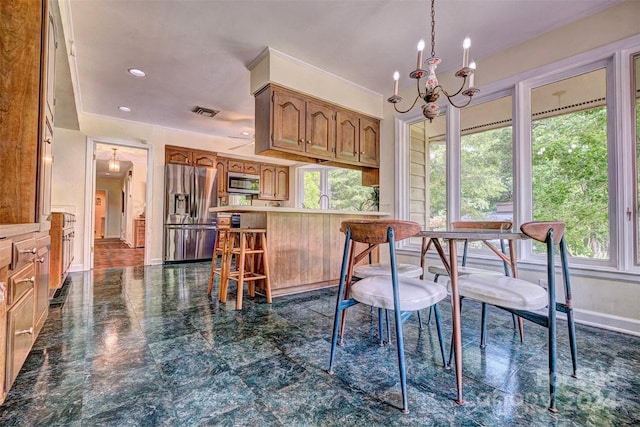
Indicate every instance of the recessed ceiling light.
{"type": "Point", "coordinates": [245, 133]}
{"type": "Point", "coordinates": [137, 73]}
{"type": "Point", "coordinates": [125, 109]}
{"type": "Point", "coordinates": [107, 173]}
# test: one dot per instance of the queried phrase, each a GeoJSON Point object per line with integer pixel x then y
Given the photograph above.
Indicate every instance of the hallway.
{"type": "Point", "coordinates": [112, 253]}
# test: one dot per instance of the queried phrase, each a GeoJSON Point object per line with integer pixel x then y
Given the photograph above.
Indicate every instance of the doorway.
{"type": "Point", "coordinates": [119, 213]}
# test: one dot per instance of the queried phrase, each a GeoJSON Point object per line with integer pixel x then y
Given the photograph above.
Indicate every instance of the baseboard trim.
{"type": "Point", "coordinates": [607, 321]}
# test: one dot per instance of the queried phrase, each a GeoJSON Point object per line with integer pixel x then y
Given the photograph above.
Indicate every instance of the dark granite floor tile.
{"type": "Point", "coordinates": [245, 416]}
{"type": "Point", "coordinates": [139, 411]}
{"type": "Point", "coordinates": [210, 395]}
{"type": "Point", "coordinates": [247, 351]}
{"type": "Point", "coordinates": [188, 368]}
{"type": "Point", "coordinates": [273, 373]}
{"type": "Point", "coordinates": [42, 411]}
{"type": "Point", "coordinates": [174, 348]}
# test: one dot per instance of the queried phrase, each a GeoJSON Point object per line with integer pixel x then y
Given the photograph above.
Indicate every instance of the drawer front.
{"type": "Point", "coordinates": [21, 282]}
{"type": "Point", "coordinates": [24, 252]}
{"type": "Point", "coordinates": [224, 221]}
{"type": "Point", "coordinates": [5, 253]}
{"type": "Point", "coordinates": [19, 336]}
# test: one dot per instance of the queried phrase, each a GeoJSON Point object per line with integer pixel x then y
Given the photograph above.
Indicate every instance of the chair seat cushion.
{"type": "Point", "coordinates": [415, 294]}
{"type": "Point", "coordinates": [503, 291]}
{"type": "Point", "coordinates": [404, 270]}
{"type": "Point", "coordinates": [462, 271]}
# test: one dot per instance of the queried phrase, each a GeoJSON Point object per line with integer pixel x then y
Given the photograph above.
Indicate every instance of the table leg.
{"type": "Point", "coordinates": [455, 304]}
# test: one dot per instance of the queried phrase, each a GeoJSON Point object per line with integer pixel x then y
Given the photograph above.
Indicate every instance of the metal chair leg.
{"type": "Point", "coordinates": [483, 327]}
{"type": "Point", "coordinates": [436, 310]}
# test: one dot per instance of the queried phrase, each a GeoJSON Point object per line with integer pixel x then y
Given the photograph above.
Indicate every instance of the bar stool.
{"type": "Point", "coordinates": [252, 263]}
{"type": "Point", "coordinates": [219, 250]}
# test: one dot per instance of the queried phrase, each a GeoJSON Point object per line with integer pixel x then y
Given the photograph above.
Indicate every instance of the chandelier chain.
{"type": "Point", "coordinates": [433, 28]}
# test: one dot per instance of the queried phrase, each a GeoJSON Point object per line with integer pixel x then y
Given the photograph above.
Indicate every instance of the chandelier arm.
{"type": "Point", "coordinates": [457, 93]}
{"type": "Point", "coordinates": [453, 103]}
{"type": "Point", "coordinates": [408, 109]}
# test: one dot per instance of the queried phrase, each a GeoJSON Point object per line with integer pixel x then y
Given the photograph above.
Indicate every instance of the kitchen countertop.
{"type": "Point", "coordinates": [9, 230]}
{"type": "Point", "coordinates": [273, 209]}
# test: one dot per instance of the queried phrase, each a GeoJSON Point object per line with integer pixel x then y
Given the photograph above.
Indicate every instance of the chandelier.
{"type": "Point", "coordinates": [432, 88]}
{"type": "Point", "coordinates": [114, 164]}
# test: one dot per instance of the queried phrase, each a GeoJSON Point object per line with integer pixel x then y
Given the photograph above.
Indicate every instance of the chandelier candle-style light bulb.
{"type": "Point", "coordinates": [472, 75]}
{"type": "Point", "coordinates": [466, 44]}
{"type": "Point", "coordinates": [420, 49]}
{"type": "Point", "coordinates": [396, 77]}
{"type": "Point", "coordinates": [432, 89]}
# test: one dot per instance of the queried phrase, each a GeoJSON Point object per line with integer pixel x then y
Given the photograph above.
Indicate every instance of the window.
{"type": "Point", "coordinates": [570, 161]}
{"type": "Point", "coordinates": [335, 188]}
{"type": "Point", "coordinates": [561, 142]}
{"type": "Point", "coordinates": [486, 161]}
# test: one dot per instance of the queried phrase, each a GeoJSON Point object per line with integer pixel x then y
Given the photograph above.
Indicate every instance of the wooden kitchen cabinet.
{"type": "Point", "coordinates": [186, 156]}
{"type": "Point", "coordinates": [274, 182]}
{"type": "Point", "coordinates": [62, 243]}
{"type": "Point", "coordinates": [5, 262]}
{"type": "Point", "coordinates": [41, 290]}
{"type": "Point", "coordinates": [20, 335]}
{"type": "Point", "coordinates": [139, 232]}
{"type": "Point", "coordinates": [28, 53]}
{"type": "Point", "coordinates": [299, 127]}
{"type": "Point", "coordinates": [221, 167]}
{"type": "Point", "coordinates": [242, 166]}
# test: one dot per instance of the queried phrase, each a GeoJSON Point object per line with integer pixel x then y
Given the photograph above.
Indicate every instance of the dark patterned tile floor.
{"type": "Point", "coordinates": [145, 346]}
{"type": "Point", "coordinates": [114, 253]}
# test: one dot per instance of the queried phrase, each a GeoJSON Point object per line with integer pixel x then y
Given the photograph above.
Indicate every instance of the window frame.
{"type": "Point", "coordinates": [617, 57]}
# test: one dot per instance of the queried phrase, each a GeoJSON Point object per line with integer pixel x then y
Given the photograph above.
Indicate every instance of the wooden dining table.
{"type": "Point", "coordinates": [436, 238]}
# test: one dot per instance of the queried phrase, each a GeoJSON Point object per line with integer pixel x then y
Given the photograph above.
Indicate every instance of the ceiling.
{"type": "Point", "coordinates": [127, 156]}
{"type": "Point", "coordinates": [197, 52]}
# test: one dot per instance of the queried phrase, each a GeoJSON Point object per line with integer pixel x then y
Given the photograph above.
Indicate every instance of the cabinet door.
{"type": "Point", "coordinates": [288, 121]}
{"type": "Point", "coordinates": [44, 179]}
{"type": "Point", "coordinates": [51, 68]}
{"type": "Point", "coordinates": [347, 136]}
{"type": "Point", "coordinates": [42, 282]}
{"type": "Point", "coordinates": [204, 158]}
{"type": "Point", "coordinates": [320, 130]}
{"type": "Point", "coordinates": [20, 335]}
{"type": "Point", "coordinates": [282, 183]}
{"type": "Point", "coordinates": [236, 166]}
{"type": "Point", "coordinates": [221, 167]}
{"type": "Point", "coordinates": [369, 141]}
{"type": "Point", "coordinates": [251, 168]}
{"type": "Point", "coordinates": [177, 156]}
{"type": "Point", "coordinates": [267, 182]}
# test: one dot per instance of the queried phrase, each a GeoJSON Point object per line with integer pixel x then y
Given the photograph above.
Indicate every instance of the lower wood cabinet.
{"type": "Point", "coordinates": [138, 232]}
{"type": "Point", "coordinates": [20, 335]}
{"type": "Point", "coordinates": [24, 300]}
{"type": "Point", "coordinates": [62, 242]}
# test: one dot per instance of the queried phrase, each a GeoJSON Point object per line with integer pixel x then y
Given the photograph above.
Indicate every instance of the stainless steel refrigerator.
{"type": "Point", "coordinates": [189, 227]}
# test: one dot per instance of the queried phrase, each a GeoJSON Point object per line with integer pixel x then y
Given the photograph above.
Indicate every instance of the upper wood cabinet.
{"type": "Point", "coordinates": [221, 166]}
{"type": "Point", "coordinates": [274, 182]}
{"type": "Point", "coordinates": [298, 127]}
{"type": "Point", "coordinates": [190, 157]}
{"type": "Point", "coordinates": [27, 61]}
{"type": "Point", "coordinates": [242, 166]}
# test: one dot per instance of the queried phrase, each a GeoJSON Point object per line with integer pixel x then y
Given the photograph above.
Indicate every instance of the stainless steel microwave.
{"type": "Point", "coordinates": [243, 183]}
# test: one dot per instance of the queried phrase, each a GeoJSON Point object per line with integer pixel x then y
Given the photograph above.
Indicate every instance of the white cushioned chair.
{"type": "Point", "coordinates": [524, 298]}
{"type": "Point", "coordinates": [385, 292]}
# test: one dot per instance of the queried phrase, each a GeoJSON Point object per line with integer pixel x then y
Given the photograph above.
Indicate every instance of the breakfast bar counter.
{"type": "Point", "coordinates": [305, 245]}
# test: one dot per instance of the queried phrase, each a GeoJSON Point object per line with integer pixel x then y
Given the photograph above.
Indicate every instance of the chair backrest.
{"type": "Point", "coordinates": [482, 225]}
{"type": "Point", "coordinates": [540, 229]}
{"type": "Point", "coordinates": [374, 231]}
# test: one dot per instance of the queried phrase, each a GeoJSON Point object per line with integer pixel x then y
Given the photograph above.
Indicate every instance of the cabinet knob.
{"type": "Point", "coordinates": [3, 287]}
{"type": "Point", "coordinates": [48, 140]}
{"type": "Point", "coordinates": [29, 251]}
{"type": "Point", "coordinates": [41, 260]}
{"type": "Point", "coordinates": [25, 331]}
{"type": "Point", "coordinates": [309, 141]}
{"type": "Point", "coordinates": [302, 140]}
{"type": "Point", "coordinates": [362, 152]}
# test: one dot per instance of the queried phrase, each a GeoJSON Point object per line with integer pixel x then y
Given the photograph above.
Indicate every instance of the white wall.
{"type": "Point", "coordinates": [68, 179]}
{"type": "Point", "coordinates": [113, 188]}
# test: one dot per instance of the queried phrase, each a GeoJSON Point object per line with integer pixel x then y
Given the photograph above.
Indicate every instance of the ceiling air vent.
{"type": "Point", "coordinates": [207, 112]}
